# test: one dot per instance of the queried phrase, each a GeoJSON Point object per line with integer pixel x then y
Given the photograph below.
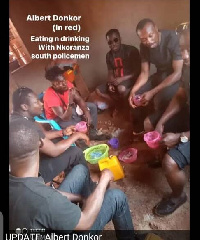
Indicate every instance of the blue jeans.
{"type": "Point", "coordinates": [114, 207]}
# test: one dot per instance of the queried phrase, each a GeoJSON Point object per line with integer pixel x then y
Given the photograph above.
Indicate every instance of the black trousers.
{"type": "Point", "coordinates": [50, 167]}
{"type": "Point", "coordinates": [75, 118]}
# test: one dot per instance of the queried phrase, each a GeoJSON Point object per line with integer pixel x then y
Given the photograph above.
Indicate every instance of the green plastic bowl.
{"type": "Point", "coordinates": [96, 153]}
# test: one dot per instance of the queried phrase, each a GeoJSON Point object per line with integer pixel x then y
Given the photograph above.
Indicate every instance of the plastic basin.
{"type": "Point", "coordinates": [96, 153]}
{"type": "Point", "coordinates": [152, 139]}
{"type": "Point", "coordinates": [128, 155]}
{"type": "Point", "coordinates": [81, 127]}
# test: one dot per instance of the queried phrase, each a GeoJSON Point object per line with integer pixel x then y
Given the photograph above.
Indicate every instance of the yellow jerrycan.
{"type": "Point", "coordinates": [112, 163]}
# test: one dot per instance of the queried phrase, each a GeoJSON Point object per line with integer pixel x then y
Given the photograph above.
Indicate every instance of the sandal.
{"type": "Point", "coordinates": [167, 206]}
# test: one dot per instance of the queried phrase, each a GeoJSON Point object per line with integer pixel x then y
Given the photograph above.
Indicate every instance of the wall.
{"type": "Point", "coordinates": [97, 18]}
{"type": "Point", "coordinates": [12, 87]}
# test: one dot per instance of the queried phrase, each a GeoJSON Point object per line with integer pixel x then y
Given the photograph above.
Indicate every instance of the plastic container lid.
{"type": "Point", "coordinates": [81, 127]}
{"type": "Point", "coordinates": [114, 143]}
{"type": "Point", "coordinates": [95, 153]}
{"type": "Point", "coordinates": [128, 155]}
{"type": "Point", "coordinates": [152, 139]}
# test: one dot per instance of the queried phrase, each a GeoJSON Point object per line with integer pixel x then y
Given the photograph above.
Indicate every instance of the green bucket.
{"type": "Point", "coordinates": [95, 153]}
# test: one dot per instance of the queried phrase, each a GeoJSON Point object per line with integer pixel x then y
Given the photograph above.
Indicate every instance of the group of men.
{"type": "Point", "coordinates": [162, 95]}
{"type": "Point", "coordinates": [34, 150]}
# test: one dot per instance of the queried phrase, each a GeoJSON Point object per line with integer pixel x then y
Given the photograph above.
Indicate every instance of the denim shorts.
{"type": "Point", "coordinates": [181, 154]}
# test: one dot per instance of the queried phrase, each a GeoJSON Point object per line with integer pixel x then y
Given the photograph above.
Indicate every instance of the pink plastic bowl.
{"type": "Point", "coordinates": [136, 100]}
{"type": "Point", "coordinates": [128, 155]}
{"type": "Point", "coordinates": [152, 139]}
{"type": "Point", "coordinates": [81, 127]}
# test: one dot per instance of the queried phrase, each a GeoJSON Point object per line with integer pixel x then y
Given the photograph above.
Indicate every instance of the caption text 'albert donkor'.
{"type": "Point", "coordinates": [56, 27]}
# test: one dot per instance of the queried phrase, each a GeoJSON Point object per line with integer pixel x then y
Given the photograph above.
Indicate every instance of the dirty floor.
{"type": "Point", "coordinates": [144, 186]}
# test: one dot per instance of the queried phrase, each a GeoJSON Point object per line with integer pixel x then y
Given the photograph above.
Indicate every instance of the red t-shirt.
{"type": "Point", "coordinates": [53, 99]}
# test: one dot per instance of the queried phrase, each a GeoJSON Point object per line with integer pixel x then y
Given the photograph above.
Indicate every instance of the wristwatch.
{"type": "Point", "coordinates": [183, 138]}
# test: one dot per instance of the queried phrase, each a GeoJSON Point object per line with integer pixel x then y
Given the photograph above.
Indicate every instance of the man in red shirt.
{"type": "Point", "coordinates": [64, 104]}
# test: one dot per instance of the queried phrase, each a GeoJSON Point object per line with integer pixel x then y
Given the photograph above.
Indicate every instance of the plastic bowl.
{"type": "Point", "coordinates": [96, 153]}
{"type": "Point", "coordinates": [81, 127]}
{"type": "Point", "coordinates": [128, 155]}
{"type": "Point", "coordinates": [136, 100]}
{"type": "Point", "coordinates": [152, 139]}
{"type": "Point", "coordinates": [114, 143]}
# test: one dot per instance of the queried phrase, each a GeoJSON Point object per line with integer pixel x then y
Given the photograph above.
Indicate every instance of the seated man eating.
{"type": "Point", "coordinates": [64, 104]}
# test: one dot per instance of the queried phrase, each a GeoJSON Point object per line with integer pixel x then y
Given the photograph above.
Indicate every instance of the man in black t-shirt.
{"type": "Point", "coordinates": [35, 206]}
{"type": "Point", "coordinates": [56, 154]}
{"type": "Point", "coordinates": [178, 155]}
{"type": "Point", "coordinates": [123, 64]}
{"type": "Point", "coordinates": [161, 48]}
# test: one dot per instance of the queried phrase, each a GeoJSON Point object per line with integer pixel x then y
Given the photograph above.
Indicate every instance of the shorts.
{"type": "Point", "coordinates": [181, 154]}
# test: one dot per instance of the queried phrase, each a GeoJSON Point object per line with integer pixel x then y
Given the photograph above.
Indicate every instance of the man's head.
{"type": "Point", "coordinates": [55, 76]}
{"type": "Point", "coordinates": [148, 33]}
{"type": "Point", "coordinates": [26, 101]}
{"type": "Point", "coordinates": [184, 41]}
{"type": "Point", "coordinates": [23, 143]}
{"type": "Point", "coordinates": [113, 39]}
